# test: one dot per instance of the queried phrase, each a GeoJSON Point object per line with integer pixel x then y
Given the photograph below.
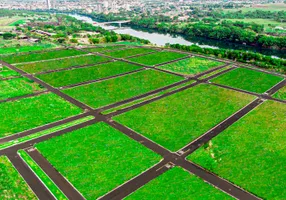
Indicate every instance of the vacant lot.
{"type": "Point", "coordinates": [191, 66]}
{"type": "Point", "coordinates": [249, 80]}
{"type": "Point", "coordinates": [33, 112]}
{"type": "Point", "coordinates": [6, 72]}
{"type": "Point", "coordinates": [281, 94]}
{"type": "Point", "coordinates": [61, 63]}
{"type": "Point", "coordinates": [157, 58]}
{"type": "Point", "coordinates": [11, 183]}
{"type": "Point", "coordinates": [101, 158]}
{"type": "Point", "coordinates": [118, 89]}
{"type": "Point", "coordinates": [128, 52]}
{"type": "Point", "coordinates": [18, 87]}
{"type": "Point", "coordinates": [104, 48]}
{"type": "Point", "coordinates": [178, 119]}
{"type": "Point", "coordinates": [30, 57]}
{"type": "Point", "coordinates": [251, 153]}
{"type": "Point", "coordinates": [15, 49]}
{"type": "Point", "coordinates": [180, 185]}
{"type": "Point", "coordinates": [64, 78]}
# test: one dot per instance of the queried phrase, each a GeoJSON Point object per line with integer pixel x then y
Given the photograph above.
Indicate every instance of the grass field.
{"type": "Point", "coordinates": [64, 78]}
{"type": "Point", "coordinates": [61, 64]}
{"type": "Point", "coordinates": [178, 119]}
{"type": "Point", "coordinates": [247, 79]}
{"type": "Point", "coordinates": [33, 112]}
{"type": "Point", "coordinates": [264, 22]}
{"type": "Point", "coordinates": [6, 72]}
{"type": "Point", "coordinates": [177, 184]}
{"type": "Point", "coordinates": [12, 185]}
{"type": "Point", "coordinates": [128, 52]}
{"type": "Point", "coordinates": [101, 158]}
{"type": "Point", "coordinates": [265, 7]}
{"type": "Point", "coordinates": [18, 22]}
{"type": "Point", "coordinates": [15, 49]}
{"type": "Point", "coordinates": [41, 56]}
{"type": "Point", "coordinates": [18, 87]}
{"type": "Point", "coordinates": [281, 94]}
{"type": "Point", "coordinates": [157, 58]}
{"type": "Point", "coordinates": [101, 48]}
{"type": "Point", "coordinates": [251, 153]}
{"type": "Point", "coordinates": [191, 66]}
{"type": "Point", "coordinates": [118, 89]}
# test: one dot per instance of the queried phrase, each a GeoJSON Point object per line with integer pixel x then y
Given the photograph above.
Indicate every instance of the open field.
{"type": "Point", "coordinates": [251, 153]}
{"type": "Point", "coordinates": [281, 94]}
{"type": "Point", "coordinates": [247, 79]}
{"type": "Point", "coordinates": [69, 77]}
{"type": "Point", "coordinates": [13, 48]}
{"type": "Point", "coordinates": [264, 22]}
{"type": "Point", "coordinates": [32, 112]}
{"type": "Point", "coordinates": [41, 56]}
{"type": "Point", "coordinates": [101, 48]}
{"type": "Point", "coordinates": [157, 58]}
{"type": "Point", "coordinates": [18, 22]}
{"type": "Point", "coordinates": [93, 164]}
{"type": "Point", "coordinates": [6, 21]}
{"type": "Point", "coordinates": [177, 184]}
{"type": "Point", "coordinates": [61, 63]}
{"type": "Point", "coordinates": [118, 89]}
{"type": "Point", "coordinates": [191, 66]}
{"type": "Point", "coordinates": [6, 72]}
{"type": "Point", "coordinates": [178, 119]}
{"type": "Point", "coordinates": [128, 52]}
{"type": "Point", "coordinates": [11, 183]}
{"type": "Point", "coordinates": [265, 7]}
{"type": "Point", "coordinates": [18, 87]}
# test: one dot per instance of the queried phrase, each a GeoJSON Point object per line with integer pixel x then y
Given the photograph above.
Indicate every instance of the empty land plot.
{"type": "Point", "coordinates": [101, 158]}
{"type": "Point", "coordinates": [31, 57]}
{"type": "Point", "coordinates": [12, 185]}
{"type": "Point", "coordinates": [6, 72]}
{"type": "Point", "coordinates": [18, 87]}
{"type": "Point", "coordinates": [61, 63]}
{"type": "Point", "coordinates": [73, 76]}
{"type": "Point", "coordinates": [249, 80]}
{"type": "Point", "coordinates": [281, 94]}
{"type": "Point", "coordinates": [157, 58]}
{"type": "Point", "coordinates": [118, 89]}
{"type": "Point", "coordinates": [105, 48]}
{"type": "Point", "coordinates": [8, 50]}
{"type": "Point", "coordinates": [251, 153]}
{"type": "Point", "coordinates": [32, 112]}
{"type": "Point", "coordinates": [18, 22]}
{"type": "Point", "coordinates": [176, 120]}
{"type": "Point", "coordinates": [191, 66]}
{"type": "Point", "coordinates": [178, 184]}
{"type": "Point", "coordinates": [129, 52]}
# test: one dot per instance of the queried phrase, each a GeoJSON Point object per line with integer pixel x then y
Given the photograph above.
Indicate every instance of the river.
{"type": "Point", "coordinates": [161, 39]}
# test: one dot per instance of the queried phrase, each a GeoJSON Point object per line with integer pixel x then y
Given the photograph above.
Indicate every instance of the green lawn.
{"type": "Point", "coordinates": [38, 47]}
{"type": "Point", "coordinates": [177, 184]}
{"type": "Point", "coordinates": [97, 158]}
{"type": "Point", "coordinates": [118, 89]}
{"type": "Point", "coordinates": [191, 66]}
{"type": "Point", "coordinates": [32, 112]}
{"type": "Point", "coordinates": [12, 185]}
{"type": "Point", "coordinates": [18, 22]}
{"type": "Point", "coordinates": [29, 57]}
{"type": "Point", "coordinates": [247, 79]}
{"type": "Point", "coordinates": [157, 58]}
{"type": "Point", "coordinates": [176, 120]}
{"type": "Point", "coordinates": [128, 52]}
{"type": "Point", "coordinates": [104, 48]}
{"type": "Point", "coordinates": [18, 87]}
{"type": "Point", "coordinates": [64, 78]}
{"type": "Point", "coordinates": [61, 64]}
{"type": "Point", "coordinates": [281, 94]}
{"type": "Point", "coordinates": [251, 153]}
{"type": "Point", "coordinates": [264, 22]}
{"type": "Point", "coordinates": [6, 72]}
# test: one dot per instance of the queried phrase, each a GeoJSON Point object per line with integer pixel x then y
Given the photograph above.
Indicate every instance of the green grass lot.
{"type": "Point", "coordinates": [18, 87]}
{"type": "Point", "coordinates": [6, 72]}
{"type": "Point", "coordinates": [118, 89]}
{"type": "Point", "coordinates": [157, 58]}
{"type": "Point", "coordinates": [5, 21]}
{"type": "Point", "coordinates": [64, 78]}
{"type": "Point", "coordinates": [12, 185]}
{"type": "Point", "coordinates": [61, 63]}
{"type": "Point", "coordinates": [191, 66]}
{"type": "Point", "coordinates": [101, 158]}
{"type": "Point", "coordinates": [281, 94]}
{"type": "Point", "coordinates": [101, 48]}
{"type": "Point", "coordinates": [18, 22]}
{"type": "Point", "coordinates": [176, 120]}
{"type": "Point", "coordinates": [264, 22]}
{"type": "Point", "coordinates": [15, 49]}
{"type": "Point", "coordinates": [128, 52]}
{"type": "Point", "coordinates": [177, 184]}
{"type": "Point", "coordinates": [32, 112]}
{"type": "Point", "coordinates": [41, 56]}
{"type": "Point", "coordinates": [247, 79]}
{"type": "Point", "coordinates": [265, 7]}
{"type": "Point", "coordinates": [251, 153]}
